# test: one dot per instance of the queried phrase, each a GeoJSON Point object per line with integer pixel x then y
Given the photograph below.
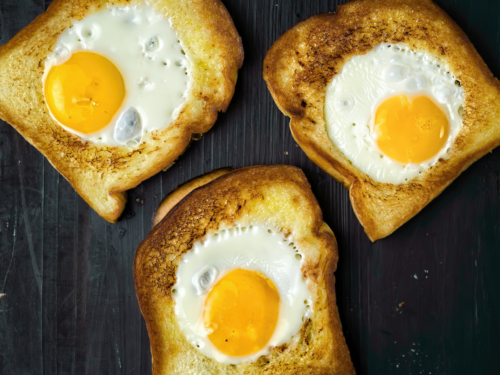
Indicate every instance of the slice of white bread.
{"type": "Point", "coordinates": [278, 196]}
{"type": "Point", "coordinates": [101, 174]}
{"type": "Point", "coordinates": [304, 60]}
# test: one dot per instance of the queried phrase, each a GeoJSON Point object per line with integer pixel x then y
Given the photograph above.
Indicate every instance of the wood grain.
{"type": "Point", "coordinates": [424, 300]}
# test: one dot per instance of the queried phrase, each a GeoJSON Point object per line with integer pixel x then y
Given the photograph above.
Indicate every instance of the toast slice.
{"type": "Point", "coordinates": [279, 196]}
{"type": "Point", "coordinates": [304, 60]}
{"type": "Point", "coordinates": [103, 174]}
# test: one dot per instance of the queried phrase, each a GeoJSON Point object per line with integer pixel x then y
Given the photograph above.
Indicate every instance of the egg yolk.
{"type": "Point", "coordinates": [241, 312]}
{"type": "Point", "coordinates": [85, 92]}
{"type": "Point", "coordinates": [411, 130]}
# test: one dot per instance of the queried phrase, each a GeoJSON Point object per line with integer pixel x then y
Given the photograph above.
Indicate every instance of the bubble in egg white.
{"type": "Point", "coordinates": [61, 52]}
{"type": "Point", "coordinates": [416, 83]}
{"type": "Point", "coordinates": [128, 125]}
{"type": "Point", "coordinates": [135, 19]}
{"type": "Point", "coordinates": [345, 104]}
{"type": "Point", "coordinates": [204, 279]}
{"type": "Point", "coordinates": [91, 32]}
{"type": "Point", "coordinates": [153, 44]}
{"type": "Point", "coordinates": [145, 83]}
{"type": "Point", "coordinates": [443, 94]}
{"type": "Point", "coordinates": [394, 73]}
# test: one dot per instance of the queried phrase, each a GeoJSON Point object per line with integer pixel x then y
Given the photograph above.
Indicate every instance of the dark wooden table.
{"type": "Point", "coordinates": [426, 300]}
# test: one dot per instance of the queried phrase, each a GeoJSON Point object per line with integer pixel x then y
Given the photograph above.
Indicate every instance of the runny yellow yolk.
{"type": "Point", "coordinates": [411, 130]}
{"type": "Point", "coordinates": [85, 92]}
{"type": "Point", "coordinates": [242, 311]}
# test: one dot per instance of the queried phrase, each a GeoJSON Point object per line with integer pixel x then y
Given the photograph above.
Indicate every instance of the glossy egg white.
{"type": "Point", "coordinates": [364, 82]}
{"type": "Point", "coordinates": [255, 248]}
{"type": "Point", "coordinates": [146, 50]}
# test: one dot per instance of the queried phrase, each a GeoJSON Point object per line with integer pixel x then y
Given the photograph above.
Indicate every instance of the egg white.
{"type": "Point", "coordinates": [364, 82]}
{"type": "Point", "coordinates": [156, 75]}
{"type": "Point", "coordinates": [253, 248]}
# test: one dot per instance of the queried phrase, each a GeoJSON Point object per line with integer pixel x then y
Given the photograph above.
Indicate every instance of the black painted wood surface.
{"type": "Point", "coordinates": [425, 300]}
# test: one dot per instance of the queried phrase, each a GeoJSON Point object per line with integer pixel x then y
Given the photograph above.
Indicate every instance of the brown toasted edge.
{"type": "Point", "coordinates": [180, 192]}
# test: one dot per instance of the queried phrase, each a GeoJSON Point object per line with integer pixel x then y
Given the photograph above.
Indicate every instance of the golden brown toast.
{"type": "Point", "coordinates": [302, 62]}
{"type": "Point", "coordinates": [179, 193]}
{"type": "Point", "coordinates": [103, 174]}
{"type": "Point", "coordinates": [279, 196]}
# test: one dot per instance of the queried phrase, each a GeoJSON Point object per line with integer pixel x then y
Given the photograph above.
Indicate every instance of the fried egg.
{"type": "Point", "coordinates": [394, 112]}
{"type": "Point", "coordinates": [116, 75]}
{"type": "Point", "coordinates": [241, 292]}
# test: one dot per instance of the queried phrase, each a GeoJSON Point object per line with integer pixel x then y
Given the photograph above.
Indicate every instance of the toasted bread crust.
{"type": "Point", "coordinates": [172, 199]}
{"type": "Point", "coordinates": [279, 196]}
{"type": "Point", "coordinates": [102, 174]}
{"type": "Point", "coordinates": [302, 62]}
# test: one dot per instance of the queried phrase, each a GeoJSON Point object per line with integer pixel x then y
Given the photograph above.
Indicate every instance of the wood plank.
{"type": "Point", "coordinates": [21, 259]}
